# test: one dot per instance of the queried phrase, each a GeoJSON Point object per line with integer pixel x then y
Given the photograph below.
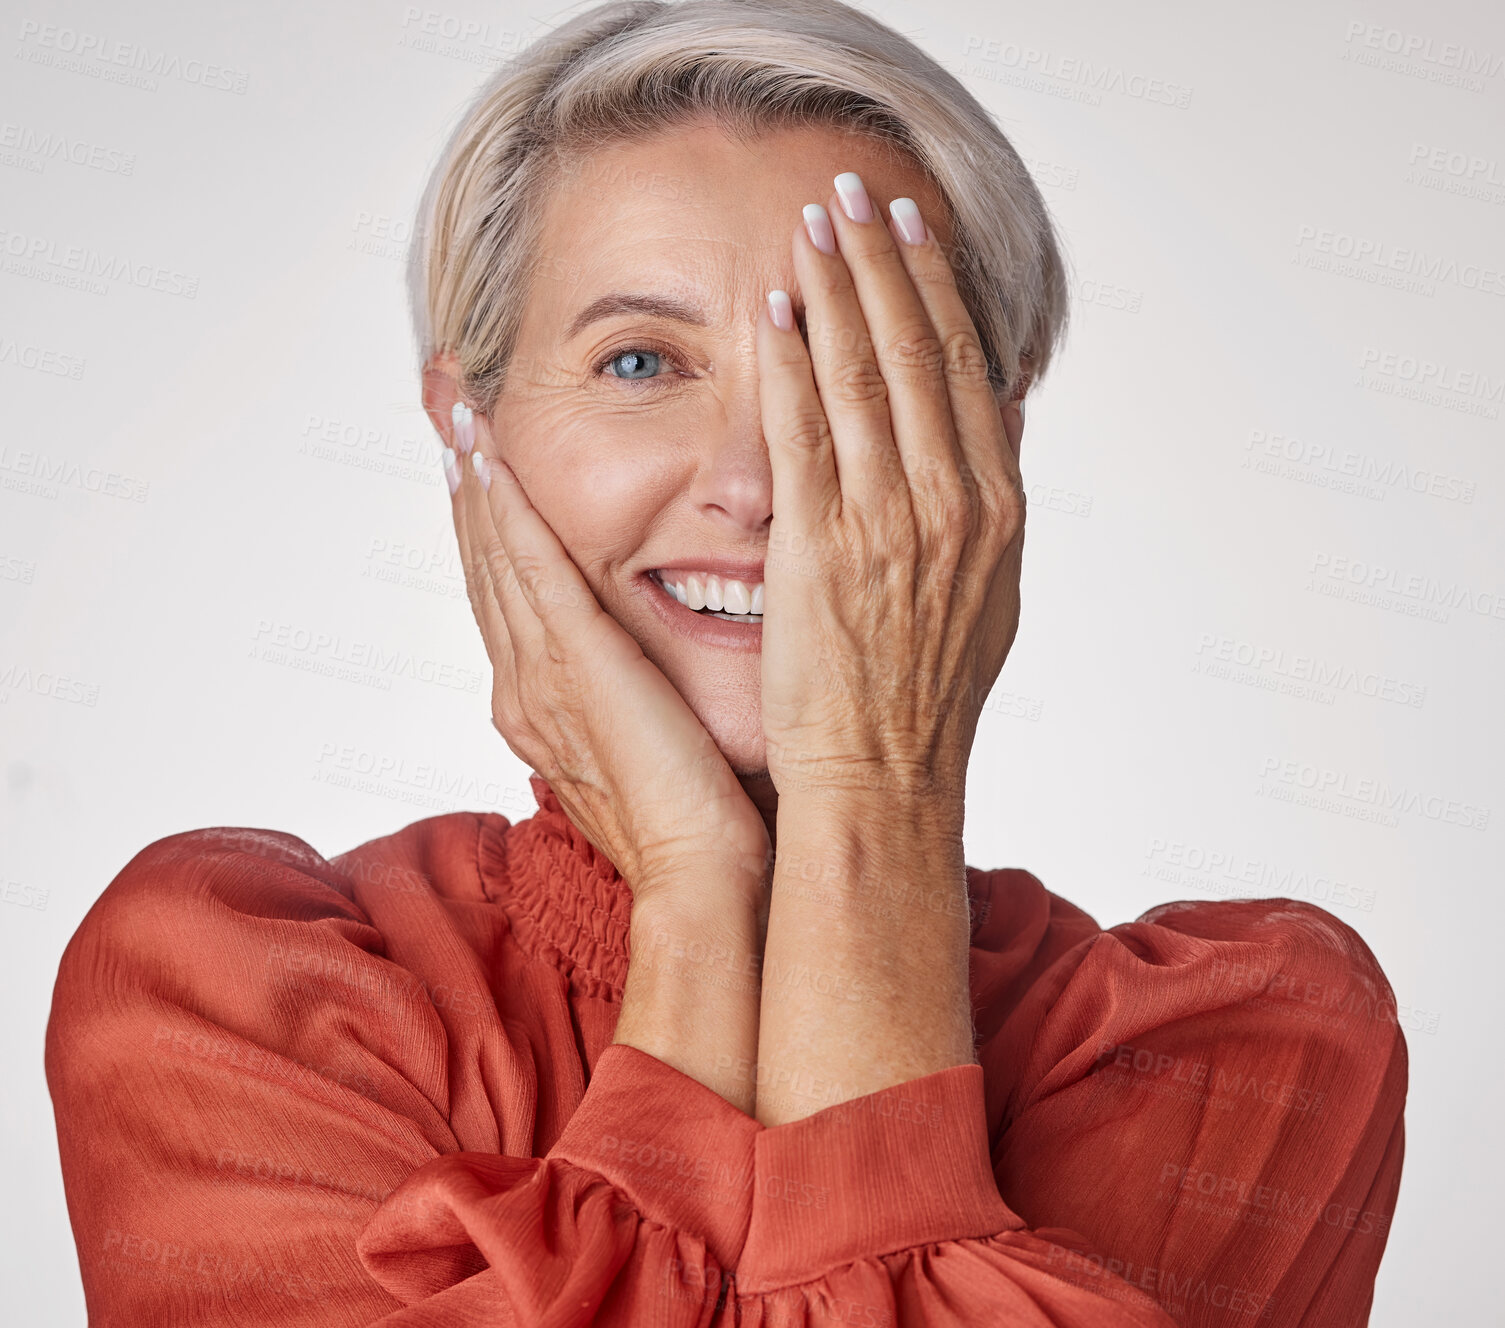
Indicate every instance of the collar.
{"type": "Point", "coordinates": [569, 905]}
{"type": "Point", "coordinates": [567, 901]}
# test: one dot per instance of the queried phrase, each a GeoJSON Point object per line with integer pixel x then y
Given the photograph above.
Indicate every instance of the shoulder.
{"type": "Point", "coordinates": [1244, 943]}
{"type": "Point", "coordinates": [179, 913]}
{"type": "Point", "coordinates": [1234, 940]}
{"type": "Point", "coordinates": [272, 870]}
{"type": "Point", "coordinates": [187, 894]}
{"type": "Point", "coordinates": [196, 874]}
{"type": "Point", "coordinates": [1282, 975]}
{"type": "Point", "coordinates": [233, 925]}
{"type": "Point", "coordinates": [1051, 986]}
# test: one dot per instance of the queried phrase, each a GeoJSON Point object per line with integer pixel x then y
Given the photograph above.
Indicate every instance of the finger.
{"type": "Point", "coordinates": [985, 450]}
{"type": "Point", "coordinates": [479, 582]}
{"type": "Point", "coordinates": [906, 349]}
{"type": "Point", "coordinates": [520, 627]}
{"type": "Point", "coordinates": [561, 609]}
{"type": "Point", "coordinates": [806, 492]}
{"type": "Point", "coordinates": [852, 389]}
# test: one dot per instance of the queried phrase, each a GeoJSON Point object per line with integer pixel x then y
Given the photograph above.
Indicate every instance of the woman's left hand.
{"type": "Point", "coordinates": [891, 582]}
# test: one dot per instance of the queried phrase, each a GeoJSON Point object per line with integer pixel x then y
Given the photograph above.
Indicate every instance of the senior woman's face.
{"type": "Point", "coordinates": [636, 431]}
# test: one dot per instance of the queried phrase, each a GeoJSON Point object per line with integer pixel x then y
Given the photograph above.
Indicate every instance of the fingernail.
{"type": "Point", "coordinates": [451, 469]}
{"type": "Point", "coordinates": [781, 310]}
{"type": "Point", "coordinates": [818, 224]}
{"type": "Point", "coordinates": [478, 463]}
{"type": "Point", "coordinates": [854, 200]}
{"type": "Point", "coordinates": [906, 215]}
{"type": "Point", "coordinates": [464, 421]}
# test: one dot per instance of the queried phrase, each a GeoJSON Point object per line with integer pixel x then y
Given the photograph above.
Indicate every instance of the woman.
{"type": "Point", "coordinates": [726, 314]}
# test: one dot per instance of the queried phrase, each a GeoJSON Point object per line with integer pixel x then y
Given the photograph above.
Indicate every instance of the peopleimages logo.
{"type": "Point", "coordinates": [1433, 383]}
{"type": "Point", "coordinates": [39, 257]}
{"type": "Point", "coordinates": [96, 53]}
{"type": "Point", "coordinates": [1229, 873]}
{"type": "Point", "coordinates": [1423, 596]}
{"type": "Point", "coordinates": [1326, 674]}
{"type": "Point", "coordinates": [1389, 475]}
{"type": "Point", "coordinates": [23, 144]}
{"type": "Point", "coordinates": [1468, 166]}
{"type": "Point", "coordinates": [1377, 260]}
{"type": "Point", "coordinates": [1076, 70]}
{"type": "Point", "coordinates": [1324, 782]}
{"type": "Point", "coordinates": [1426, 50]}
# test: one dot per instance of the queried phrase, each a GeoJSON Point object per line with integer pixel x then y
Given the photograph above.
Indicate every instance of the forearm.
{"type": "Point", "coordinates": [865, 966]}
{"type": "Point", "coordinates": [692, 988]}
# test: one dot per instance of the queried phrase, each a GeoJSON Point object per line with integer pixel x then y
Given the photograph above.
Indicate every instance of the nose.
{"type": "Point", "coordinates": [733, 482]}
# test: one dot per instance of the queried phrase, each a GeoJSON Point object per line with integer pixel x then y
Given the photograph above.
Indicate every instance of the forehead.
{"type": "Point", "coordinates": [694, 211]}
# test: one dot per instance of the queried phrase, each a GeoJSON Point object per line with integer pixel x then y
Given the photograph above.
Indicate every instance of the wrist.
{"type": "Point", "coordinates": [877, 828]}
{"type": "Point", "coordinates": [696, 896]}
{"type": "Point", "coordinates": [694, 982]}
{"type": "Point", "coordinates": [894, 871]}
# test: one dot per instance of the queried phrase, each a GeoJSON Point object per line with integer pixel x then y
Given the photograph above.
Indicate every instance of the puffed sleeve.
{"type": "Point", "coordinates": [253, 1112]}
{"type": "Point", "coordinates": [1212, 1097]}
{"type": "Point", "coordinates": [1198, 1122]}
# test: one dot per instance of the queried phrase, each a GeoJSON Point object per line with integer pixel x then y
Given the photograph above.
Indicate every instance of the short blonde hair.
{"type": "Point", "coordinates": [631, 68]}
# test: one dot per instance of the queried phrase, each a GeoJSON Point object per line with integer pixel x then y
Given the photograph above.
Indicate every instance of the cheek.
{"type": "Point", "coordinates": [602, 506]}
{"type": "Point", "coordinates": [601, 481]}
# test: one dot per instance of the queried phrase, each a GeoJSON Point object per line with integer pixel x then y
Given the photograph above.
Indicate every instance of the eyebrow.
{"type": "Point", "coordinates": [630, 302]}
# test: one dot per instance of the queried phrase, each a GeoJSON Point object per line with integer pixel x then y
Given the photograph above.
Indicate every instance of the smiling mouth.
{"type": "Point", "coordinates": [688, 588]}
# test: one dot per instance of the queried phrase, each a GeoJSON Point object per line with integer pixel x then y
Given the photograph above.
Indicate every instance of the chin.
{"type": "Point", "coordinates": [738, 732]}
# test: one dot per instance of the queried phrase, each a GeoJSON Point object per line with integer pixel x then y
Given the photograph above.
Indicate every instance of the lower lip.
{"type": "Point", "coordinates": [700, 626]}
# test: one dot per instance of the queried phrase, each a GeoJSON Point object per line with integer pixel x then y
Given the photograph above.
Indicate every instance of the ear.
{"type": "Point", "coordinates": [441, 389]}
{"type": "Point", "coordinates": [1012, 412]}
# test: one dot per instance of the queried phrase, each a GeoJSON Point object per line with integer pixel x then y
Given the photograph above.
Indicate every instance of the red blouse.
{"type": "Point", "coordinates": [381, 1088]}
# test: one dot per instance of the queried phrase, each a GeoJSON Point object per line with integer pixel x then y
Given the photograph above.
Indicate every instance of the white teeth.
{"type": "Point", "coordinates": [737, 599]}
{"type": "Point", "coordinates": [714, 593]}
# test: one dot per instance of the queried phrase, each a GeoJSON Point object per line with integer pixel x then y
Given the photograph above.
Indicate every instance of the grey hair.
{"type": "Point", "coordinates": [628, 68]}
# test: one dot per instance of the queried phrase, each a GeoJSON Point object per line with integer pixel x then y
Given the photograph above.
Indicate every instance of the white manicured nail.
{"type": "Point", "coordinates": [464, 421]}
{"type": "Point", "coordinates": [906, 215]}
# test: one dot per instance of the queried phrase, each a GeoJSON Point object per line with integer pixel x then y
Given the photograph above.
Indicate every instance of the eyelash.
{"type": "Point", "coordinates": [667, 355]}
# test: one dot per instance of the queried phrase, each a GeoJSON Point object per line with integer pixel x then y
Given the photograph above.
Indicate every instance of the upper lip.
{"type": "Point", "coordinates": [750, 573]}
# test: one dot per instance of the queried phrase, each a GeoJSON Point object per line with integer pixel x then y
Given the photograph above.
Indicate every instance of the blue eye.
{"type": "Point", "coordinates": [639, 363]}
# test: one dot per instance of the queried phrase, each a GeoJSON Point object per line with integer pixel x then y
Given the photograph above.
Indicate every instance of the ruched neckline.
{"type": "Point", "coordinates": [566, 899]}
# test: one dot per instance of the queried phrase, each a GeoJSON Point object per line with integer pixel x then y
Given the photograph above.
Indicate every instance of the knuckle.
{"type": "Point", "coordinates": [1008, 506]}
{"type": "Point", "coordinates": [974, 484]}
{"type": "Point", "coordinates": [531, 572]}
{"type": "Point", "coordinates": [807, 430]}
{"type": "Point", "coordinates": [916, 347]}
{"type": "Point", "coordinates": [952, 519]}
{"type": "Point", "coordinates": [506, 717]}
{"type": "Point", "coordinates": [934, 265]}
{"type": "Point", "coordinates": [492, 561]}
{"type": "Point", "coordinates": [859, 383]}
{"type": "Point", "coordinates": [965, 359]}
{"type": "Point", "coordinates": [832, 282]}
{"type": "Point", "coordinates": [959, 511]}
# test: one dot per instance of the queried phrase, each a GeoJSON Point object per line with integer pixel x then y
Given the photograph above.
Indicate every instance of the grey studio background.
{"type": "Point", "coordinates": [1264, 590]}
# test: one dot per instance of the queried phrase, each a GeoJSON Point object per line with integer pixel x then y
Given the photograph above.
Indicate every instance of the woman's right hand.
{"type": "Point", "coordinates": [574, 696]}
